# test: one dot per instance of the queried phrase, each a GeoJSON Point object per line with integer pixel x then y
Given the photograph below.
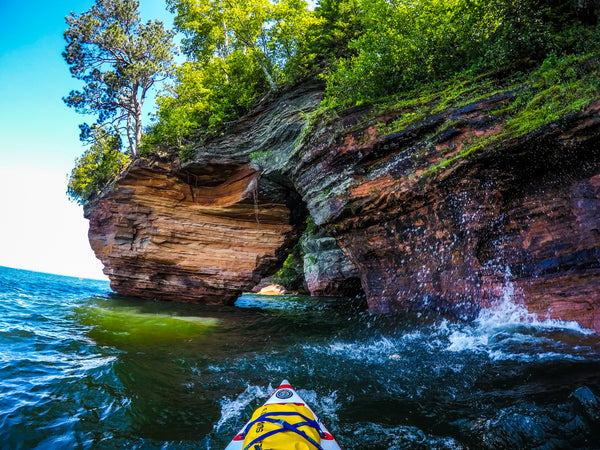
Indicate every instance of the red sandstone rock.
{"type": "Point", "coordinates": [213, 229]}
{"type": "Point", "coordinates": [520, 218]}
{"type": "Point", "coordinates": [520, 221]}
{"type": "Point", "coordinates": [205, 239]}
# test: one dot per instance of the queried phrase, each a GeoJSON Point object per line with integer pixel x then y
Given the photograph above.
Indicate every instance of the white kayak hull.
{"type": "Point", "coordinates": [285, 393]}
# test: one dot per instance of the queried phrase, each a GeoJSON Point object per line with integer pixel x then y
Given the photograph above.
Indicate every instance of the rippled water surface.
{"type": "Point", "coordinates": [81, 368]}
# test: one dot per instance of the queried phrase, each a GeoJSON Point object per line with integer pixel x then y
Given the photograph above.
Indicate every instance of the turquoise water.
{"type": "Point", "coordinates": [83, 368]}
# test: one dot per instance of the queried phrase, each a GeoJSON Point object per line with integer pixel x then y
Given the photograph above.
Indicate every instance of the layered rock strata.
{"type": "Point", "coordinates": [194, 235]}
{"type": "Point", "coordinates": [429, 220]}
{"type": "Point", "coordinates": [429, 230]}
{"type": "Point", "coordinates": [210, 230]}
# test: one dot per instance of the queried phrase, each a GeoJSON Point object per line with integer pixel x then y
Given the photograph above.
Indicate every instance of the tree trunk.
{"type": "Point", "coordinates": [136, 112]}
{"type": "Point", "coordinates": [138, 123]}
{"type": "Point", "coordinates": [130, 138]}
{"type": "Point", "coordinates": [264, 67]}
{"type": "Point", "coordinates": [272, 84]}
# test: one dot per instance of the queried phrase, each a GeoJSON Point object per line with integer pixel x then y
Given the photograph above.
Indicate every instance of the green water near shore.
{"type": "Point", "coordinates": [82, 368]}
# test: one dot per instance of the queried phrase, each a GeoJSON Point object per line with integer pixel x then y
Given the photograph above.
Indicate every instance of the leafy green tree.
{"type": "Point", "coordinates": [119, 59]}
{"type": "Point", "coordinates": [97, 167]}
{"type": "Point", "coordinates": [340, 23]}
{"type": "Point", "coordinates": [265, 31]}
{"type": "Point", "coordinates": [239, 51]}
{"type": "Point", "coordinates": [402, 44]}
{"type": "Point", "coordinates": [203, 96]}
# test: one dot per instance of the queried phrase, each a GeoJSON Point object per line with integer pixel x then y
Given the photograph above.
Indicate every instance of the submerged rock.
{"type": "Point", "coordinates": [566, 425]}
{"type": "Point", "coordinates": [584, 400]}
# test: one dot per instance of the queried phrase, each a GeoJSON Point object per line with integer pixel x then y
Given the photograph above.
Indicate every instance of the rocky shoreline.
{"type": "Point", "coordinates": [424, 219]}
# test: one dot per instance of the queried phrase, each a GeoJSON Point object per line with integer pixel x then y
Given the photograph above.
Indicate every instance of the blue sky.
{"type": "Point", "coordinates": [39, 228]}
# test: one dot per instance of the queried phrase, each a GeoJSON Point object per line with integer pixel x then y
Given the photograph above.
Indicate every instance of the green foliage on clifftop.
{"type": "Point", "coordinates": [364, 50]}
{"type": "Point", "coordinates": [557, 88]}
{"type": "Point", "coordinates": [425, 55]}
{"type": "Point", "coordinates": [119, 59]}
{"type": "Point", "coordinates": [408, 44]}
{"type": "Point", "coordinates": [97, 167]}
{"type": "Point", "coordinates": [238, 52]}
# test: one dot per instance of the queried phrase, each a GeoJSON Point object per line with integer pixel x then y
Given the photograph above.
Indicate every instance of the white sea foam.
{"type": "Point", "coordinates": [506, 323]}
{"type": "Point", "coordinates": [326, 406]}
{"type": "Point", "coordinates": [501, 330]}
{"type": "Point", "coordinates": [232, 409]}
{"type": "Point", "coordinates": [382, 346]}
{"type": "Point", "coordinates": [506, 331]}
{"type": "Point", "coordinates": [397, 437]}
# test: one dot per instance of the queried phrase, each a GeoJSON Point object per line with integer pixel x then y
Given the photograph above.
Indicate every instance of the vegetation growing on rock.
{"type": "Point", "coordinates": [423, 56]}
{"type": "Point", "coordinates": [119, 59]}
{"type": "Point", "coordinates": [97, 167]}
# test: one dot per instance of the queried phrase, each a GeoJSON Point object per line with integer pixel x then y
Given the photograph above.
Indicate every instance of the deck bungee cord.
{"type": "Point", "coordinates": [285, 427]}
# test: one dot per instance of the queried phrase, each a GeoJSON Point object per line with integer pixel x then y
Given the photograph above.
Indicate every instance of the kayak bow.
{"type": "Point", "coordinates": [284, 422]}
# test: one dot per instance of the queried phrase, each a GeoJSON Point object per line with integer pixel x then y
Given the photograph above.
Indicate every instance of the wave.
{"type": "Point", "coordinates": [509, 331]}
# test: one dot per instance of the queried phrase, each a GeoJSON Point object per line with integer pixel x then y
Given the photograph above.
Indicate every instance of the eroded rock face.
{"type": "Point", "coordinates": [426, 224]}
{"type": "Point", "coordinates": [198, 235]}
{"type": "Point", "coordinates": [209, 230]}
{"type": "Point", "coordinates": [519, 221]}
{"type": "Point", "coordinates": [327, 271]}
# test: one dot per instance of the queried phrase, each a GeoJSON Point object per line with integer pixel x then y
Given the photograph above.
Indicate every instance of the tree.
{"type": "Point", "coordinates": [97, 167]}
{"type": "Point", "coordinates": [238, 51]}
{"type": "Point", "coordinates": [264, 30]}
{"type": "Point", "coordinates": [403, 44]}
{"type": "Point", "coordinates": [341, 24]}
{"type": "Point", "coordinates": [205, 95]}
{"type": "Point", "coordinates": [119, 59]}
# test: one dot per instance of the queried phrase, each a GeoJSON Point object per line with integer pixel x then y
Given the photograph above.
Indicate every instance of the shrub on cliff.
{"type": "Point", "coordinates": [365, 50]}
{"type": "Point", "coordinates": [205, 95]}
{"type": "Point", "coordinates": [238, 51]}
{"type": "Point", "coordinates": [97, 167]}
{"type": "Point", "coordinates": [291, 274]}
{"type": "Point", "coordinates": [406, 44]}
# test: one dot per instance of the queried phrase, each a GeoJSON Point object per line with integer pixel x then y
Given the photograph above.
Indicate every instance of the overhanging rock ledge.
{"type": "Point", "coordinates": [425, 228]}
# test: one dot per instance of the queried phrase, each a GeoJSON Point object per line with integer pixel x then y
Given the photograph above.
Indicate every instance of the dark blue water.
{"type": "Point", "coordinates": [82, 368]}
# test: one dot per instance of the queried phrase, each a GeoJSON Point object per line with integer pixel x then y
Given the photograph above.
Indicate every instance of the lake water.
{"type": "Point", "coordinates": [83, 368]}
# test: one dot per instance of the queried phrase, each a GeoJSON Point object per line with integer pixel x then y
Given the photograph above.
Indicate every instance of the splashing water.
{"type": "Point", "coordinates": [510, 324]}
{"type": "Point", "coordinates": [232, 410]}
{"type": "Point", "coordinates": [80, 368]}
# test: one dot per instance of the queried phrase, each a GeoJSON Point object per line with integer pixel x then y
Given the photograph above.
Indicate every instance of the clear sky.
{"type": "Point", "coordinates": [39, 228]}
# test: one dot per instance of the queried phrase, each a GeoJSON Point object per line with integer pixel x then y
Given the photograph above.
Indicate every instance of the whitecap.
{"type": "Point", "coordinates": [232, 409]}
{"type": "Point", "coordinates": [509, 331]}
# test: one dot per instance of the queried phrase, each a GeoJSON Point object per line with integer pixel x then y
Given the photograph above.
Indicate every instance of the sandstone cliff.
{"type": "Point", "coordinates": [519, 218]}
{"type": "Point", "coordinates": [429, 220]}
{"type": "Point", "coordinates": [209, 230]}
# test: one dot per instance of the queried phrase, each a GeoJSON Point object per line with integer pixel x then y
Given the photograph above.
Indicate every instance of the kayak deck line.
{"type": "Point", "coordinates": [283, 422]}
